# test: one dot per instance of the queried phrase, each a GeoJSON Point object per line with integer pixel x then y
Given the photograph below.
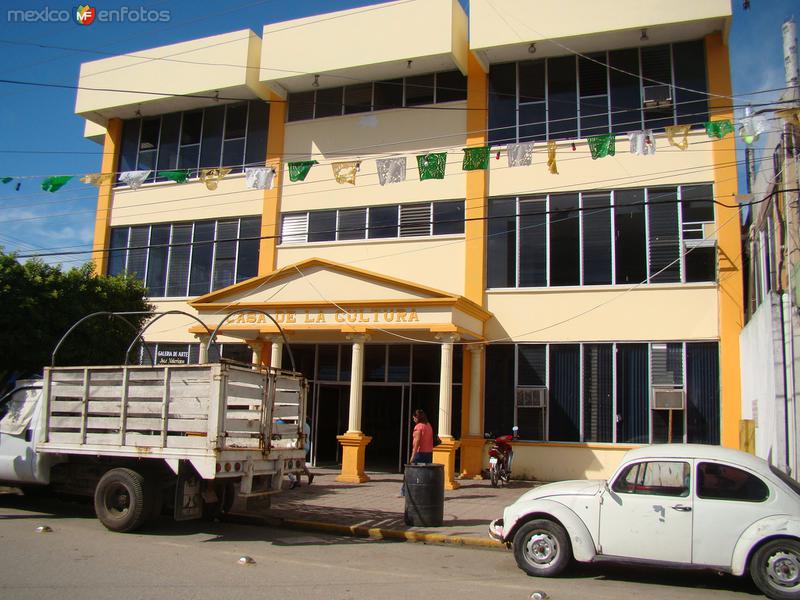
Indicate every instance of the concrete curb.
{"type": "Point", "coordinates": [373, 532]}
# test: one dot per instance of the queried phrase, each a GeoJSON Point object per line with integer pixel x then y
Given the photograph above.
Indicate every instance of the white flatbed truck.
{"type": "Point", "coordinates": [139, 439]}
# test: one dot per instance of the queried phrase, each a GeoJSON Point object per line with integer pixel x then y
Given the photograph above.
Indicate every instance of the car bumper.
{"type": "Point", "coordinates": [496, 530]}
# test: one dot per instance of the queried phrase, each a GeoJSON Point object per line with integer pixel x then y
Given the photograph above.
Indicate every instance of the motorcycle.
{"type": "Point", "coordinates": [501, 455]}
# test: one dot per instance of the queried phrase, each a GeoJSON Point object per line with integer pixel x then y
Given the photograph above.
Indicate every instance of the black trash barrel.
{"type": "Point", "coordinates": [424, 495]}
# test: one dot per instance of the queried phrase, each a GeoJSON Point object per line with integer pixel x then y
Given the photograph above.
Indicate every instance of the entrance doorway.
{"type": "Point", "coordinates": [383, 413]}
{"type": "Point", "coordinates": [331, 406]}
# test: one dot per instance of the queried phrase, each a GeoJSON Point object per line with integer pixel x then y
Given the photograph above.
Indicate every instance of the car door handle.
{"type": "Point", "coordinates": [682, 508]}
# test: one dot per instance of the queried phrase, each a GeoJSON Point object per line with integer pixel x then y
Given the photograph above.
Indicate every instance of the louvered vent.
{"type": "Point", "coordinates": [294, 229]}
{"type": "Point", "coordinates": [415, 219]}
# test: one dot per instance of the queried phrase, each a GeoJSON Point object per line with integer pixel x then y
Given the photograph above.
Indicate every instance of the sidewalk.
{"type": "Point", "coordinates": [375, 508]}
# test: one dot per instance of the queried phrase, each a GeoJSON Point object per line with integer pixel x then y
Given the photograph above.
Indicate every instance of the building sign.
{"type": "Point", "coordinates": [172, 354]}
{"type": "Point", "coordinates": [351, 316]}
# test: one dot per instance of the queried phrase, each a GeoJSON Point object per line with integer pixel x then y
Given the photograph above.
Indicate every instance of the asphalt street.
{"type": "Point", "coordinates": [81, 559]}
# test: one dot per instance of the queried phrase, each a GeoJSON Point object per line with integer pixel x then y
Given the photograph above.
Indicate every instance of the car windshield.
{"type": "Point", "coordinates": [786, 479]}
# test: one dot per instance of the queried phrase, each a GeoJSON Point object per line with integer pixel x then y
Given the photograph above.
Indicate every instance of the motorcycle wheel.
{"type": "Point", "coordinates": [494, 475]}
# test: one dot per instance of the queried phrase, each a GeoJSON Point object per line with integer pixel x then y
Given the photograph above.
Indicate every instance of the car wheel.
{"type": "Point", "coordinates": [775, 569]}
{"type": "Point", "coordinates": [542, 548]}
{"type": "Point", "coordinates": [123, 500]}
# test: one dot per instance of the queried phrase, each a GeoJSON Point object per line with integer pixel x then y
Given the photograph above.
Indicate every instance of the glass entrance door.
{"type": "Point", "coordinates": [331, 405]}
{"type": "Point", "coordinates": [383, 414]}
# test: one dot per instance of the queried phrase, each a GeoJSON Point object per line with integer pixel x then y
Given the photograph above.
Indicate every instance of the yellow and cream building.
{"type": "Point", "coordinates": [595, 304]}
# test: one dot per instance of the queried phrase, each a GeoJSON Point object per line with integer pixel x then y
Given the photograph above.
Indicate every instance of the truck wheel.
{"type": "Point", "coordinates": [542, 548]}
{"type": "Point", "coordinates": [775, 569]}
{"type": "Point", "coordinates": [123, 500]}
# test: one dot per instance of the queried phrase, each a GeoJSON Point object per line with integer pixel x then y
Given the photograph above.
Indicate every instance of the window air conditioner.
{"type": "Point", "coordinates": [668, 399]}
{"type": "Point", "coordinates": [531, 397]}
{"type": "Point", "coordinates": [657, 96]}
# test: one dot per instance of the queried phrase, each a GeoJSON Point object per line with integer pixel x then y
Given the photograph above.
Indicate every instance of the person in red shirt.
{"type": "Point", "coordinates": [421, 439]}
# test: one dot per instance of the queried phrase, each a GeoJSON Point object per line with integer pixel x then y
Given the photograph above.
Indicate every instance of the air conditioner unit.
{"type": "Point", "coordinates": [531, 397]}
{"type": "Point", "coordinates": [668, 399]}
{"type": "Point", "coordinates": [657, 96]}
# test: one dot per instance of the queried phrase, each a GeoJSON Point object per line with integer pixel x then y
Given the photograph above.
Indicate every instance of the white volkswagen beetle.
{"type": "Point", "coordinates": [674, 504]}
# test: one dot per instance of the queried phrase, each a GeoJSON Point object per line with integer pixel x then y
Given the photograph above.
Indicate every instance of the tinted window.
{"type": "Point", "coordinates": [655, 478]}
{"type": "Point", "coordinates": [631, 248]}
{"type": "Point", "coordinates": [723, 482]}
{"type": "Point", "coordinates": [329, 103]}
{"type": "Point", "coordinates": [419, 90]}
{"type": "Point", "coordinates": [322, 226]}
{"type": "Point", "coordinates": [448, 217]}
{"type": "Point", "coordinates": [357, 98]}
{"type": "Point", "coordinates": [564, 240]}
{"type": "Point", "coordinates": [383, 221]}
{"type": "Point", "coordinates": [388, 94]}
{"type": "Point", "coordinates": [450, 85]}
{"type": "Point", "coordinates": [301, 106]}
{"type": "Point", "coordinates": [501, 248]}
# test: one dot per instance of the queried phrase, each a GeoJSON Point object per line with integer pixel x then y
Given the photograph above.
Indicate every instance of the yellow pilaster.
{"type": "Point", "coordinates": [477, 195]}
{"type": "Point", "coordinates": [102, 219]}
{"type": "Point", "coordinates": [477, 183]}
{"type": "Point", "coordinates": [354, 451]}
{"type": "Point", "coordinates": [729, 248]}
{"type": "Point", "coordinates": [472, 441]}
{"type": "Point", "coordinates": [445, 454]}
{"type": "Point", "coordinates": [271, 211]}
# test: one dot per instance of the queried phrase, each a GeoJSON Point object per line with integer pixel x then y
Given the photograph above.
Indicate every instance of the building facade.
{"type": "Point", "coordinates": [770, 339]}
{"type": "Point", "coordinates": [593, 302]}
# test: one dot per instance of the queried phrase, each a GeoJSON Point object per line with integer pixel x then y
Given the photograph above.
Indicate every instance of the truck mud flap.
{"type": "Point", "coordinates": [188, 495]}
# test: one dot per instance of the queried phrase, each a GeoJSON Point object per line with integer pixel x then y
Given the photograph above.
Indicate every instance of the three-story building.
{"type": "Point", "coordinates": [444, 223]}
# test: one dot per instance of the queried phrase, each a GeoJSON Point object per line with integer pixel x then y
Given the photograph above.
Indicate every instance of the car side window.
{"type": "Point", "coordinates": [655, 478]}
{"type": "Point", "coordinates": [723, 482]}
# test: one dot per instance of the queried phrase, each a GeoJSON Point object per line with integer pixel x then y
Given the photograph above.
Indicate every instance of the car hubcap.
{"type": "Point", "coordinates": [783, 569]}
{"type": "Point", "coordinates": [542, 549]}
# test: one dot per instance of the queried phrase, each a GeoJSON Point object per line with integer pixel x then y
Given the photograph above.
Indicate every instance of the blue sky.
{"type": "Point", "coordinates": [42, 136]}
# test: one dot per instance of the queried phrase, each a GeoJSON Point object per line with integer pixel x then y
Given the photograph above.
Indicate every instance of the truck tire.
{"type": "Point", "coordinates": [123, 500]}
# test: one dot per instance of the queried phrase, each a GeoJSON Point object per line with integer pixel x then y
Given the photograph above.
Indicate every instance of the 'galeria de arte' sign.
{"type": "Point", "coordinates": [315, 316]}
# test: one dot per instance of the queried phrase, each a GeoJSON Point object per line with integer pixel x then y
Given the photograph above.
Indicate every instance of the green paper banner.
{"type": "Point", "coordinates": [298, 170]}
{"type": "Point", "coordinates": [718, 129]}
{"type": "Point", "coordinates": [476, 159]}
{"type": "Point", "coordinates": [178, 176]}
{"type": "Point", "coordinates": [431, 166]}
{"type": "Point", "coordinates": [602, 145]}
{"type": "Point", "coordinates": [6, 179]}
{"type": "Point", "coordinates": [53, 184]}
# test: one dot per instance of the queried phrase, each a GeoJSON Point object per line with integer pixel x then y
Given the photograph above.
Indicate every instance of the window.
{"type": "Point", "coordinates": [374, 222]}
{"type": "Point", "coordinates": [602, 392]}
{"type": "Point", "coordinates": [566, 96]}
{"type": "Point", "coordinates": [627, 237]}
{"type": "Point", "coordinates": [630, 237]}
{"type": "Point", "coordinates": [598, 392]}
{"type": "Point", "coordinates": [724, 482]}
{"type": "Point", "coordinates": [383, 221]}
{"type": "Point", "coordinates": [697, 216]}
{"type": "Point", "coordinates": [232, 136]}
{"type": "Point", "coordinates": [564, 387]}
{"type": "Point", "coordinates": [596, 216]}
{"type": "Point", "coordinates": [431, 88]}
{"type": "Point", "coordinates": [187, 259]}
{"type": "Point", "coordinates": [654, 478]}
{"type": "Point", "coordinates": [565, 262]}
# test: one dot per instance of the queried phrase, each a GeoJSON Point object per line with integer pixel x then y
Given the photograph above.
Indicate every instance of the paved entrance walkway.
{"type": "Point", "coordinates": [376, 509]}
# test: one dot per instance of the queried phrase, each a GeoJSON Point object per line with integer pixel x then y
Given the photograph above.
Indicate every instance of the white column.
{"type": "Point", "coordinates": [475, 386]}
{"type": "Point", "coordinates": [203, 356]}
{"type": "Point", "coordinates": [256, 352]}
{"type": "Point", "coordinates": [356, 382]}
{"type": "Point", "coordinates": [276, 356]}
{"type": "Point", "coordinates": [446, 384]}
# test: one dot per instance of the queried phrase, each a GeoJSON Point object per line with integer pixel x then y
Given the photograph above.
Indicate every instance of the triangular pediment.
{"type": "Point", "coordinates": [316, 280]}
